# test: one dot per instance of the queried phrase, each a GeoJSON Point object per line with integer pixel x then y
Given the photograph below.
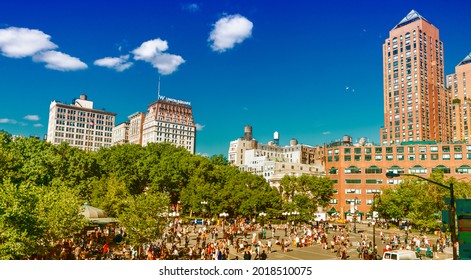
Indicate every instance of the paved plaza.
{"type": "Point", "coordinates": [315, 252]}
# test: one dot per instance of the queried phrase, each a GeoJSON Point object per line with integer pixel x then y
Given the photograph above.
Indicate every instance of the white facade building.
{"type": "Point", "coordinates": [80, 125]}
{"type": "Point", "coordinates": [272, 161]}
{"type": "Point", "coordinates": [170, 121]}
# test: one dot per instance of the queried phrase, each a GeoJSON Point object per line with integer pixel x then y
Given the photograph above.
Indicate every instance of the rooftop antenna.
{"type": "Point", "coordinates": [158, 90]}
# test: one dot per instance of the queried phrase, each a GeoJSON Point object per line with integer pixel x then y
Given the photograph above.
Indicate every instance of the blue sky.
{"type": "Point", "coordinates": [307, 69]}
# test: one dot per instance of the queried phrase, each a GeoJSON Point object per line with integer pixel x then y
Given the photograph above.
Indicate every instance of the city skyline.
{"type": "Point", "coordinates": [305, 70]}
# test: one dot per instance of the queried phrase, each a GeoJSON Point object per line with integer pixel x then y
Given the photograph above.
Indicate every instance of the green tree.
{"type": "Point", "coordinates": [144, 217]}
{"type": "Point", "coordinates": [20, 225]}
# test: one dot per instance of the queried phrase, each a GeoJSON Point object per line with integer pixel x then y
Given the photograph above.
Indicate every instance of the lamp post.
{"type": "Point", "coordinates": [223, 215]}
{"type": "Point", "coordinates": [452, 205]}
{"type": "Point", "coordinates": [262, 216]}
{"type": "Point", "coordinates": [376, 194]}
{"type": "Point", "coordinates": [286, 214]}
{"type": "Point", "coordinates": [203, 204]}
{"type": "Point", "coordinates": [294, 213]}
{"type": "Point", "coordinates": [355, 215]}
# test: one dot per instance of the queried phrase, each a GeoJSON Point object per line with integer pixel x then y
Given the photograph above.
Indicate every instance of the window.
{"type": "Point", "coordinates": [373, 170]}
{"type": "Point", "coordinates": [346, 151]}
{"type": "Point", "coordinates": [367, 150]}
{"type": "Point", "coordinates": [367, 157]}
{"type": "Point", "coordinates": [395, 169]}
{"type": "Point", "coordinates": [352, 170]}
{"type": "Point", "coordinates": [357, 151]}
{"type": "Point", "coordinates": [347, 158]}
{"type": "Point", "coordinates": [422, 149]}
{"type": "Point", "coordinates": [400, 157]}
{"type": "Point", "coordinates": [411, 157]}
{"type": "Point", "coordinates": [445, 169]}
{"type": "Point", "coordinates": [378, 157]}
{"type": "Point", "coordinates": [464, 169]}
{"type": "Point", "coordinates": [434, 156]}
{"type": "Point", "coordinates": [335, 181]}
{"type": "Point", "coordinates": [353, 201]}
{"type": "Point", "coordinates": [373, 181]}
{"type": "Point", "coordinates": [334, 201]}
{"type": "Point", "coordinates": [379, 150]}
{"type": "Point", "coordinates": [446, 149]}
{"type": "Point", "coordinates": [458, 156]}
{"type": "Point", "coordinates": [446, 156]}
{"type": "Point", "coordinates": [353, 181]}
{"type": "Point", "coordinates": [389, 150]}
{"type": "Point", "coordinates": [370, 191]}
{"type": "Point", "coordinates": [400, 149]}
{"type": "Point", "coordinates": [333, 170]}
{"type": "Point", "coordinates": [417, 169]}
{"type": "Point", "coordinates": [434, 149]}
{"type": "Point", "coordinates": [389, 157]}
{"type": "Point", "coordinates": [357, 158]}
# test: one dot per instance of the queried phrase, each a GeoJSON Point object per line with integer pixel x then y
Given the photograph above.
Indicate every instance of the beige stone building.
{"type": "Point", "coordinates": [273, 161]}
{"type": "Point", "coordinates": [80, 125]}
{"type": "Point", "coordinates": [170, 121]}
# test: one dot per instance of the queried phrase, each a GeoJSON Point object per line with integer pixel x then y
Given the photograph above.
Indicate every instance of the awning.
{"type": "Point", "coordinates": [332, 211]}
{"type": "Point", "coordinates": [95, 215]}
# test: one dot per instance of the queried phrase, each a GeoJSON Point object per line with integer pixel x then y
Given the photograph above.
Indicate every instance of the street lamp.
{"type": "Point", "coordinates": [203, 205]}
{"type": "Point", "coordinates": [391, 174]}
{"type": "Point", "coordinates": [355, 215]}
{"type": "Point", "coordinates": [286, 214]}
{"type": "Point", "coordinates": [294, 213]}
{"type": "Point", "coordinates": [223, 215]}
{"type": "Point", "coordinates": [375, 214]}
{"type": "Point", "coordinates": [262, 216]}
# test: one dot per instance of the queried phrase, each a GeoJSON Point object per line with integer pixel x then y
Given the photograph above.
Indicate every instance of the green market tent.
{"type": "Point", "coordinates": [357, 212]}
{"type": "Point", "coordinates": [332, 211]}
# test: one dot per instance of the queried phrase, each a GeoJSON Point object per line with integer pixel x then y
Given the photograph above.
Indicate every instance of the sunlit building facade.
{"type": "Point", "coordinates": [80, 125]}
{"type": "Point", "coordinates": [416, 104]}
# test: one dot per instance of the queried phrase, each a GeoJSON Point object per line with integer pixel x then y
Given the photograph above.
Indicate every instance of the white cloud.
{"type": "Point", "coordinates": [38, 125]}
{"type": "Point", "coordinates": [4, 120]}
{"type": "Point", "coordinates": [193, 7]}
{"type": "Point", "coordinates": [326, 132]}
{"type": "Point", "coordinates": [228, 31]}
{"type": "Point", "coordinates": [199, 127]}
{"type": "Point", "coordinates": [22, 42]}
{"type": "Point", "coordinates": [117, 63]}
{"type": "Point", "coordinates": [31, 117]}
{"type": "Point", "coordinates": [59, 61]}
{"type": "Point", "coordinates": [152, 51]}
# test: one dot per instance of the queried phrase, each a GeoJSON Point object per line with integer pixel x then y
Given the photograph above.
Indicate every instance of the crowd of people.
{"type": "Point", "coordinates": [220, 240]}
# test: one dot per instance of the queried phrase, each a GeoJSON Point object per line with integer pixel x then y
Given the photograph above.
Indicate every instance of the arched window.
{"type": "Point", "coordinates": [373, 170]}
{"type": "Point", "coordinates": [395, 169]}
{"type": "Point", "coordinates": [418, 169]}
{"type": "Point", "coordinates": [445, 169]}
{"type": "Point", "coordinates": [352, 170]}
{"type": "Point", "coordinates": [464, 169]}
{"type": "Point", "coordinates": [333, 170]}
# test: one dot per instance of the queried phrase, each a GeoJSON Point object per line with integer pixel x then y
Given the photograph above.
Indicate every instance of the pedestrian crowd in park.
{"type": "Point", "coordinates": [227, 241]}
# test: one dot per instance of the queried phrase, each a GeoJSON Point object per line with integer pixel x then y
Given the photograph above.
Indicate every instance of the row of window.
{"type": "Point", "coordinates": [463, 169]}
{"type": "Point", "coordinates": [400, 149]}
{"type": "Point", "coordinates": [335, 201]}
{"type": "Point", "coordinates": [399, 157]}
